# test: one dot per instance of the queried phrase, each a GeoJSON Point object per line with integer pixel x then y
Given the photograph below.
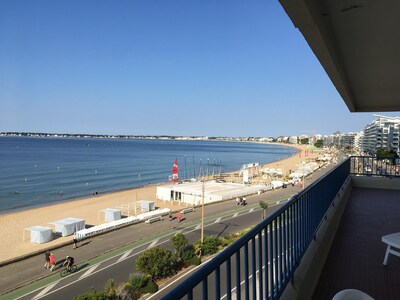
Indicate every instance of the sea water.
{"type": "Point", "coordinates": [39, 171]}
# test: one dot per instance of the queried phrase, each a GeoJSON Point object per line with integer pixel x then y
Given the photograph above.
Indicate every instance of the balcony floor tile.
{"type": "Point", "coordinates": [356, 257]}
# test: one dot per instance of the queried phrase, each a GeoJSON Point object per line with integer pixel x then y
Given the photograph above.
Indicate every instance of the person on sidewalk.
{"type": "Point", "coordinates": [75, 240]}
{"type": "Point", "coordinates": [179, 216]}
{"type": "Point", "coordinates": [47, 259]}
{"type": "Point", "coordinates": [52, 260]}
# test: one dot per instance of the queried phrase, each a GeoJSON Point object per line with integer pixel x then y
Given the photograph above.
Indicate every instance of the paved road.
{"type": "Point", "coordinates": [121, 265]}
{"type": "Point", "coordinates": [119, 248]}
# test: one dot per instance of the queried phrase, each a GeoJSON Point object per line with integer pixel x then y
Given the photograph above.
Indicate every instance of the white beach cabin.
{"type": "Point", "coordinates": [110, 214]}
{"type": "Point", "coordinates": [40, 234]}
{"type": "Point", "coordinates": [68, 226]}
{"type": "Point", "coordinates": [147, 205]}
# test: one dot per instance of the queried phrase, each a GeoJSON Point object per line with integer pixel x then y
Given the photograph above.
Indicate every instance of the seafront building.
{"type": "Point", "coordinates": [382, 133]}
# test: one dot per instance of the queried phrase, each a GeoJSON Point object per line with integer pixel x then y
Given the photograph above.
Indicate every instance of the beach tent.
{"type": "Point", "coordinates": [147, 205]}
{"type": "Point", "coordinates": [111, 214]}
{"type": "Point", "coordinates": [68, 226]}
{"type": "Point", "coordinates": [40, 234]}
{"type": "Point", "coordinates": [79, 224]}
{"type": "Point", "coordinates": [63, 227]}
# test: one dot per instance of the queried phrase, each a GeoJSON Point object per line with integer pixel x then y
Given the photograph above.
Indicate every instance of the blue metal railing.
{"type": "Point", "coordinates": [274, 247]}
{"type": "Point", "coordinates": [376, 166]}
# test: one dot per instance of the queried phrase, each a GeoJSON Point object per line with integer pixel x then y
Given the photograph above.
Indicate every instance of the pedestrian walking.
{"type": "Point", "coordinates": [179, 216]}
{"type": "Point", "coordinates": [170, 215]}
{"type": "Point", "coordinates": [52, 260]}
{"type": "Point", "coordinates": [75, 240]}
{"type": "Point", "coordinates": [47, 259]}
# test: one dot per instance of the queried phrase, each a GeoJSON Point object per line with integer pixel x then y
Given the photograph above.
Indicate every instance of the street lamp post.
{"type": "Point", "coordinates": [202, 213]}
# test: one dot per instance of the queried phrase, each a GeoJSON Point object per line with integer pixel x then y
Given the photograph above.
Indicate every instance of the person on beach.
{"type": "Point", "coordinates": [75, 240]}
{"type": "Point", "coordinates": [52, 260]}
{"type": "Point", "coordinates": [47, 259]}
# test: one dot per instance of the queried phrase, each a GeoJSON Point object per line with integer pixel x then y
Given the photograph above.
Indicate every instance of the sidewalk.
{"type": "Point", "coordinates": [30, 269]}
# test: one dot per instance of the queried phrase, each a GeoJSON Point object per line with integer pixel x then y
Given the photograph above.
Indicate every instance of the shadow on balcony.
{"type": "Point", "coordinates": [355, 259]}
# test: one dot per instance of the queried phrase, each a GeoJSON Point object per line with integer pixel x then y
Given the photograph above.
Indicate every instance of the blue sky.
{"type": "Point", "coordinates": [216, 68]}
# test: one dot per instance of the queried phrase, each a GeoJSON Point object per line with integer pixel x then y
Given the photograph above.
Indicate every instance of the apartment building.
{"type": "Point", "coordinates": [382, 133]}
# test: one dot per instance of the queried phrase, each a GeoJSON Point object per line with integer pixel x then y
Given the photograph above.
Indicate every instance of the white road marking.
{"type": "Point", "coordinates": [218, 220]}
{"type": "Point", "coordinates": [45, 290]}
{"type": "Point", "coordinates": [125, 255]}
{"type": "Point", "coordinates": [103, 268]}
{"type": "Point", "coordinates": [88, 272]}
{"type": "Point", "coordinates": [153, 243]}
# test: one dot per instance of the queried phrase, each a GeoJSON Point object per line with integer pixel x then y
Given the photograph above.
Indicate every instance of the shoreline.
{"type": "Point", "coordinates": [73, 199]}
{"type": "Point", "coordinates": [55, 202]}
{"type": "Point", "coordinates": [88, 208]}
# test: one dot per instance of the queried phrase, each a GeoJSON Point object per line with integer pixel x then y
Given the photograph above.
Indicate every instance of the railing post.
{"type": "Point", "coordinates": [205, 289]}
{"type": "Point", "coordinates": [253, 268]}
{"type": "Point", "coordinates": [238, 288]}
{"type": "Point", "coordinates": [228, 279]}
{"type": "Point", "coordinates": [217, 283]}
{"type": "Point", "coordinates": [260, 266]}
{"type": "Point", "coordinates": [246, 271]}
{"type": "Point", "coordinates": [266, 266]}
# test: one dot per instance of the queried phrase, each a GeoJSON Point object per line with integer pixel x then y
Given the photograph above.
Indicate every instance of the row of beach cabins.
{"type": "Point", "coordinates": [189, 194]}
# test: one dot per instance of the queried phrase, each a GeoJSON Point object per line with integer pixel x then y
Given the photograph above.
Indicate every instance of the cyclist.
{"type": "Point", "coordinates": [69, 262]}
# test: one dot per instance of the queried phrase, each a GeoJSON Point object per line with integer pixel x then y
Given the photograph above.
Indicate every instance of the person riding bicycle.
{"type": "Point", "coordinates": [69, 262]}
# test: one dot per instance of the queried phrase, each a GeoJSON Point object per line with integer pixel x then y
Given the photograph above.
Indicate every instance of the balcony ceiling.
{"type": "Point", "coordinates": [358, 45]}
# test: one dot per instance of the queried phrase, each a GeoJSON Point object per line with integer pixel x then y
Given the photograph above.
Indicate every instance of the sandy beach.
{"type": "Point", "coordinates": [13, 224]}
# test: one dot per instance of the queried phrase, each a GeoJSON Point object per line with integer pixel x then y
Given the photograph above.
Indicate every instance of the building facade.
{"type": "Point", "coordinates": [382, 133]}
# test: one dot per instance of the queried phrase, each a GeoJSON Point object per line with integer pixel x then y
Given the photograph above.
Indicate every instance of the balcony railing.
{"type": "Point", "coordinates": [261, 263]}
{"type": "Point", "coordinates": [382, 166]}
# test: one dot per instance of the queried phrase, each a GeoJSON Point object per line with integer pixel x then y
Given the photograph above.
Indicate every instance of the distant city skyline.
{"type": "Point", "coordinates": [178, 68]}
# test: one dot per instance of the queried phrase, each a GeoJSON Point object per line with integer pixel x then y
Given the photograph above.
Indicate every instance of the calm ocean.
{"type": "Point", "coordinates": [37, 171]}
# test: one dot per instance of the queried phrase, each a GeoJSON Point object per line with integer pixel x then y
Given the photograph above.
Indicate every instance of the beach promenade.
{"type": "Point", "coordinates": [90, 251]}
{"type": "Point", "coordinates": [22, 261]}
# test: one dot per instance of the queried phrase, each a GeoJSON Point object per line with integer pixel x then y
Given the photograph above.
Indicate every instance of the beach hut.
{"type": "Point", "coordinates": [111, 214]}
{"type": "Point", "coordinates": [79, 224]}
{"type": "Point", "coordinates": [147, 205]}
{"type": "Point", "coordinates": [40, 234]}
{"type": "Point", "coordinates": [68, 226]}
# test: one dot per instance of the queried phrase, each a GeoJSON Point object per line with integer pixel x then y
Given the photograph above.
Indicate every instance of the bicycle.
{"type": "Point", "coordinates": [64, 272]}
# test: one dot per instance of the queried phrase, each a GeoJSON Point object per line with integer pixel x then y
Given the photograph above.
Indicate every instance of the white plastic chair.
{"type": "Point", "coordinates": [352, 294]}
{"type": "Point", "coordinates": [392, 240]}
